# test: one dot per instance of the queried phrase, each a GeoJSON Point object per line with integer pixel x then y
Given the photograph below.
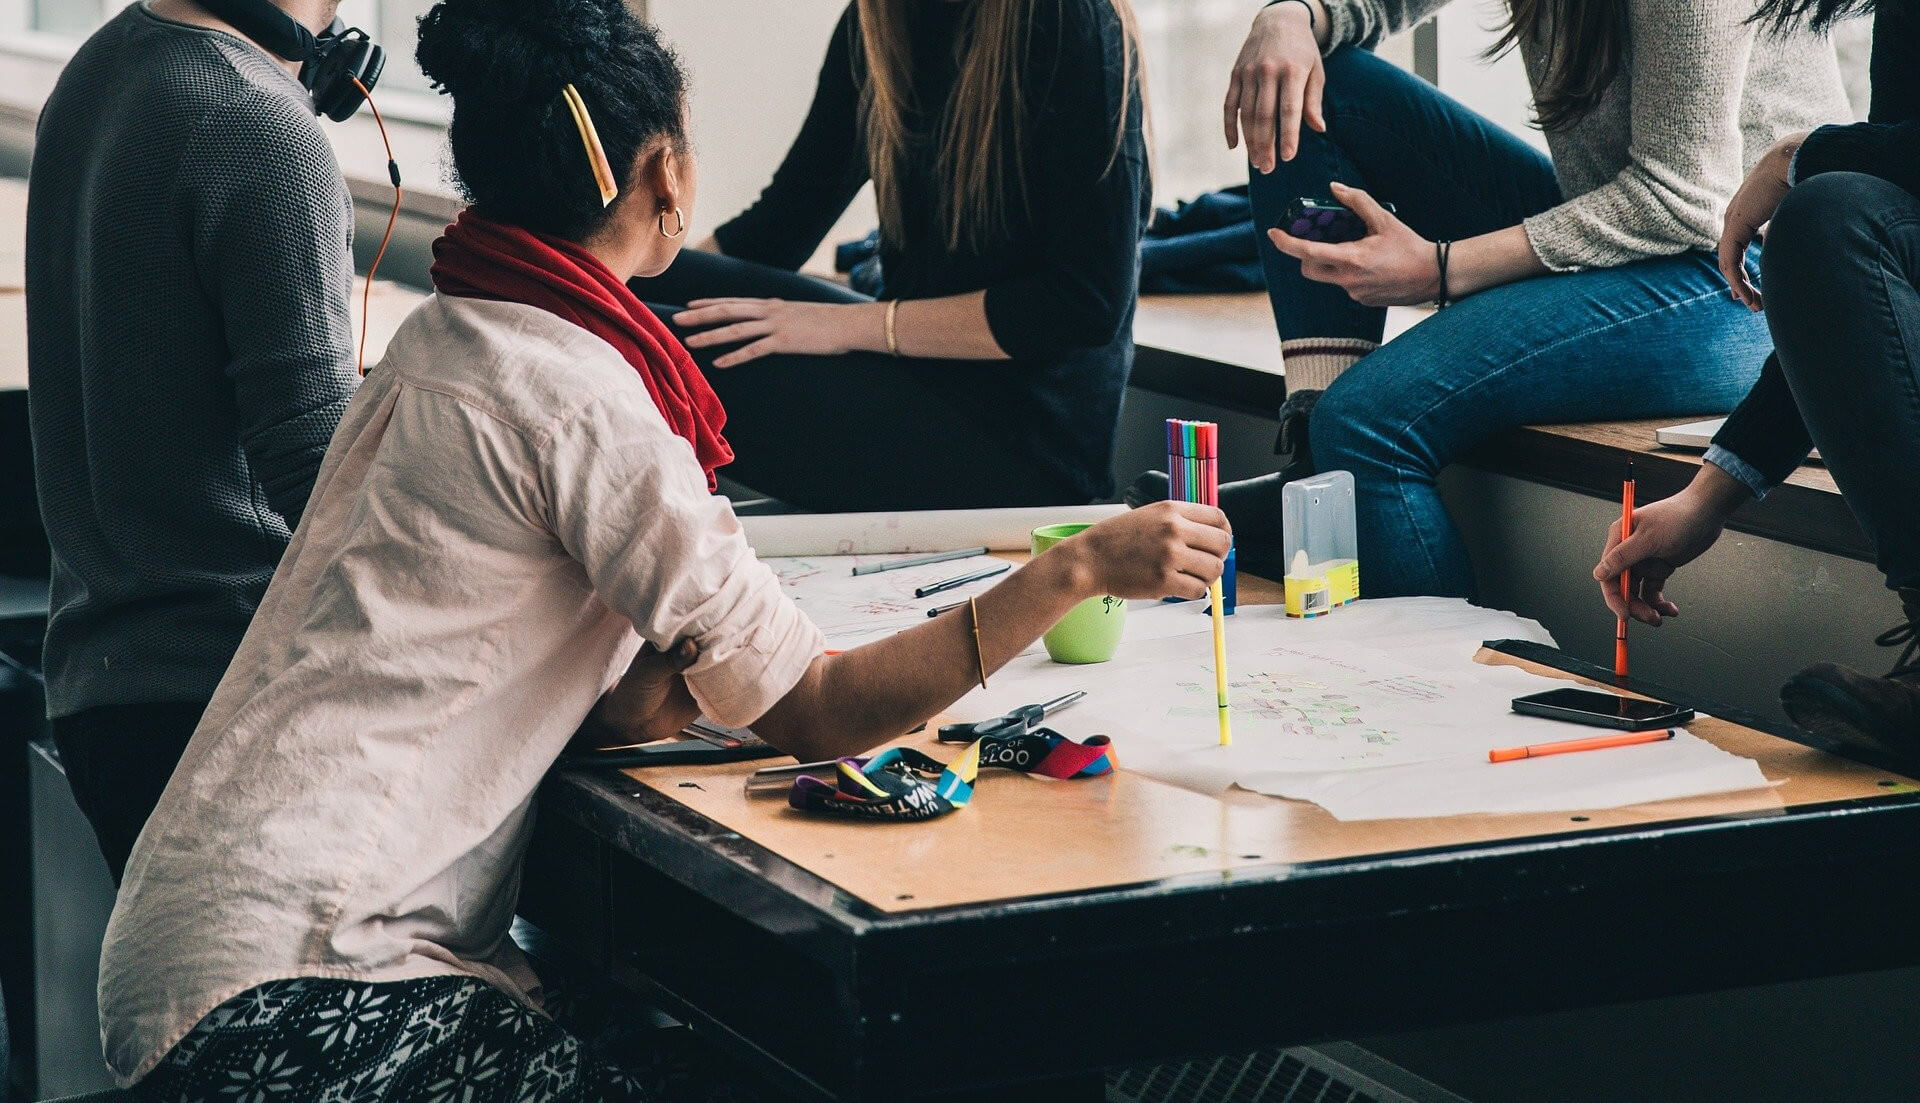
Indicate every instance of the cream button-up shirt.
{"type": "Point", "coordinates": [502, 518]}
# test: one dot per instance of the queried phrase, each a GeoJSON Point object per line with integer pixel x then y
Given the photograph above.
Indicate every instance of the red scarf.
{"type": "Point", "coordinates": [479, 259]}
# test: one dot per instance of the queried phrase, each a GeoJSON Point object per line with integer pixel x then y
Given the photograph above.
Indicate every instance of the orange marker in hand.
{"type": "Point", "coordinates": [1626, 578]}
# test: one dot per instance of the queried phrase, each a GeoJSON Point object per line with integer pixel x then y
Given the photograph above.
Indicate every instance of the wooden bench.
{"type": "Point", "coordinates": [1222, 350]}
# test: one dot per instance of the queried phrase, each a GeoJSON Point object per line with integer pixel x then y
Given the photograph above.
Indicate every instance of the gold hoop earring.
{"type": "Point", "coordinates": [679, 220]}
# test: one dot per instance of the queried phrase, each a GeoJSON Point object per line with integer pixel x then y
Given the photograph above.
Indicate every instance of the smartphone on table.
{"type": "Point", "coordinates": [1324, 220]}
{"type": "Point", "coordinates": [1602, 710]}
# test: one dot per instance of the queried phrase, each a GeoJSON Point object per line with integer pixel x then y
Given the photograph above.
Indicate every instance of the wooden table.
{"type": "Point", "coordinates": [1051, 929]}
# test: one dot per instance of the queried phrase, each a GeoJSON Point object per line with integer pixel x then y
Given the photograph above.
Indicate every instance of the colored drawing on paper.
{"type": "Point", "coordinates": [1296, 708]}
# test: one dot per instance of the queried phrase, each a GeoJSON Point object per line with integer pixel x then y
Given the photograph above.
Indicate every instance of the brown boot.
{"type": "Point", "coordinates": [1848, 707]}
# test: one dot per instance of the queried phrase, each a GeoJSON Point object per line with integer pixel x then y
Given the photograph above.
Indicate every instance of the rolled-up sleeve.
{"type": "Point", "coordinates": [630, 504]}
{"type": "Point", "coordinates": [1683, 154]}
{"type": "Point", "coordinates": [1764, 438]}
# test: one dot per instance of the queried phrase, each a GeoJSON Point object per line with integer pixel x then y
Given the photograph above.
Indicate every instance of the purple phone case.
{"type": "Point", "coordinates": [1327, 225]}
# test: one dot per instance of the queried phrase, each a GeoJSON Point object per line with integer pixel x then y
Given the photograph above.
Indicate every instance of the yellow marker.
{"type": "Point", "coordinates": [1220, 663]}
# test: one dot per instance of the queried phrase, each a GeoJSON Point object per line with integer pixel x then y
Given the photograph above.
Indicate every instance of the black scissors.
{"type": "Point", "coordinates": [705, 744]}
{"type": "Point", "coordinates": [1018, 722]}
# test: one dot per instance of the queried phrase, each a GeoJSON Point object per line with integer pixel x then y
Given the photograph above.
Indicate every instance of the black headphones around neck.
{"type": "Point", "coordinates": [330, 62]}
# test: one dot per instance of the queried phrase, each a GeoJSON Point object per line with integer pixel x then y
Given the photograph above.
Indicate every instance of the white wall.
{"type": "Point", "coordinates": [753, 66]}
{"type": "Point", "coordinates": [1496, 89]}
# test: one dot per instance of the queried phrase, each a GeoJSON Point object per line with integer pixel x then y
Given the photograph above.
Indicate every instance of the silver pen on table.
{"type": "Point", "coordinates": [918, 561]}
{"type": "Point", "coordinates": [952, 583]}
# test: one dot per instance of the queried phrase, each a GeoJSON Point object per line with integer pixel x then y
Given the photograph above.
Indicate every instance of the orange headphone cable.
{"type": "Point", "coordinates": [393, 216]}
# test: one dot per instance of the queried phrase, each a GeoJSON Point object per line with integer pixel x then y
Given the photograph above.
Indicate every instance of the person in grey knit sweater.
{"type": "Point", "coordinates": [189, 353]}
{"type": "Point", "coordinates": [1580, 286]}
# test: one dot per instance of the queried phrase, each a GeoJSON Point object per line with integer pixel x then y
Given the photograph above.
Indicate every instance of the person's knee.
{"type": "Point", "coordinates": [1830, 227]}
{"type": "Point", "coordinates": [1357, 77]}
{"type": "Point", "coordinates": [1347, 429]}
{"type": "Point", "coordinates": [1346, 65]}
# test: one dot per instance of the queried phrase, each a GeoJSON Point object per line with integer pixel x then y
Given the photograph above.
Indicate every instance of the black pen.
{"type": "Point", "coordinates": [939, 609]}
{"type": "Point", "coordinates": [943, 587]}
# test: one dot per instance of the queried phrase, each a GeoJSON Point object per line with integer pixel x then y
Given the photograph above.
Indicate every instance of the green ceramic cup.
{"type": "Point", "coordinates": [1090, 632]}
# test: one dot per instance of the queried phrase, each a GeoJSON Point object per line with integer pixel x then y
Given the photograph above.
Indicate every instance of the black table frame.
{"type": "Point", "coordinates": [836, 999]}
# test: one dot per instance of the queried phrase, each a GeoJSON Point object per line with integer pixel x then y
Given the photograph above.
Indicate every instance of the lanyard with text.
{"type": "Point", "coordinates": [906, 784]}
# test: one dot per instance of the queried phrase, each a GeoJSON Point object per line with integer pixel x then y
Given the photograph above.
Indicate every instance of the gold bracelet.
{"type": "Point", "coordinates": [893, 342]}
{"type": "Point", "coordinates": [979, 652]}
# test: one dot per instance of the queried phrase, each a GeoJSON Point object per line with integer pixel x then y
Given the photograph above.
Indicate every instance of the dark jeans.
{"type": "Point", "coordinates": [1654, 338]}
{"type": "Point", "coordinates": [1840, 262]}
{"type": "Point", "coordinates": [118, 759]}
{"type": "Point", "coordinates": [860, 431]}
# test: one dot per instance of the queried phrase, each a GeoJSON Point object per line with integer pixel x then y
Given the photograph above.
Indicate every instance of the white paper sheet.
{"type": "Point", "coordinates": [1374, 711]}
{"type": "Point", "coordinates": [1424, 633]}
{"type": "Point", "coordinates": [917, 531]}
{"type": "Point", "coordinates": [1297, 705]}
{"type": "Point", "coordinates": [1684, 766]}
{"type": "Point", "coordinates": [855, 610]}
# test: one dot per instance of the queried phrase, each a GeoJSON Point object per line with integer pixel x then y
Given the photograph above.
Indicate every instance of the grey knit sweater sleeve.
{"type": "Point", "coordinates": [1685, 155]}
{"type": "Point", "coordinates": [256, 239]}
{"type": "Point", "coordinates": [1365, 22]}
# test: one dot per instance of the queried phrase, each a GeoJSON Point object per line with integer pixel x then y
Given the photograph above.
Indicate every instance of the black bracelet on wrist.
{"type": "Point", "coordinates": [1442, 249]}
{"type": "Point", "coordinates": [1312, 23]}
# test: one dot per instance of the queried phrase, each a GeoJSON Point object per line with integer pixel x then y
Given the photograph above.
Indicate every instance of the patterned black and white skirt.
{"type": "Point", "coordinates": [434, 1040]}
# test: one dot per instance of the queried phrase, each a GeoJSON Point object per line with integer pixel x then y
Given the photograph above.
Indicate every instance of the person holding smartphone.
{"type": "Point", "coordinates": [1577, 285]}
{"type": "Point", "coordinates": [1841, 208]}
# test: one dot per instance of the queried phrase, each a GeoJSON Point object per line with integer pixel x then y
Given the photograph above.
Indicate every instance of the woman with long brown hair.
{"type": "Point", "coordinates": [1578, 286]}
{"type": "Point", "coordinates": [1004, 141]}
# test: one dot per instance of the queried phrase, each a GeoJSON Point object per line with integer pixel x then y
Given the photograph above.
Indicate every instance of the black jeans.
{"type": "Point", "coordinates": [860, 431]}
{"type": "Point", "coordinates": [1839, 268]}
{"type": "Point", "coordinates": [118, 759]}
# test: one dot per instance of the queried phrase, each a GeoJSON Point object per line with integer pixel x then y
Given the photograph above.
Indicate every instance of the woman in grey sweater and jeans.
{"type": "Point", "coordinates": [1582, 287]}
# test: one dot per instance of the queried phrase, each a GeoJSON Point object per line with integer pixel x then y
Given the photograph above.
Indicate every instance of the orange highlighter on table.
{"type": "Point", "coordinates": [1569, 746]}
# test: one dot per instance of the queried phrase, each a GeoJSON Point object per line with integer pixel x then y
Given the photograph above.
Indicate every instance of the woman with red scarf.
{"type": "Point", "coordinates": [512, 540]}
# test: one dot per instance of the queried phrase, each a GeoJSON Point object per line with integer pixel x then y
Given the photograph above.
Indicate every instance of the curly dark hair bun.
{"type": "Point", "coordinates": [516, 150]}
{"type": "Point", "coordinates": [517, 50]}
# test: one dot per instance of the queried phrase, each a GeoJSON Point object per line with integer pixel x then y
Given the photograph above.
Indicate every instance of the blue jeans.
{"type": "Point", "coordinates": [1655, 338]}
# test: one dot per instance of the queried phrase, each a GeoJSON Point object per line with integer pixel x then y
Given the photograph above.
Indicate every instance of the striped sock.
{"type": "Point", "coordinates": [1313, 363]}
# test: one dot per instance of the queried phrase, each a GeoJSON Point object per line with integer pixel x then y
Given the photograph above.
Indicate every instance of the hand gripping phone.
{"type": "Point", "coordinates": [1324, 220]}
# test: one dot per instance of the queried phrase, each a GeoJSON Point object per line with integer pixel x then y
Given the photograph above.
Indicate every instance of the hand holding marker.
{"type": "Point", "coordinates": [1193, 457]}
{"type": "Point", "coordinates": [1626, 578]}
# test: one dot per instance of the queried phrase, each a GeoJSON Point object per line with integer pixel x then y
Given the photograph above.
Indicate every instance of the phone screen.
{"type": "Point", "coordinates": [1602, 704]}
